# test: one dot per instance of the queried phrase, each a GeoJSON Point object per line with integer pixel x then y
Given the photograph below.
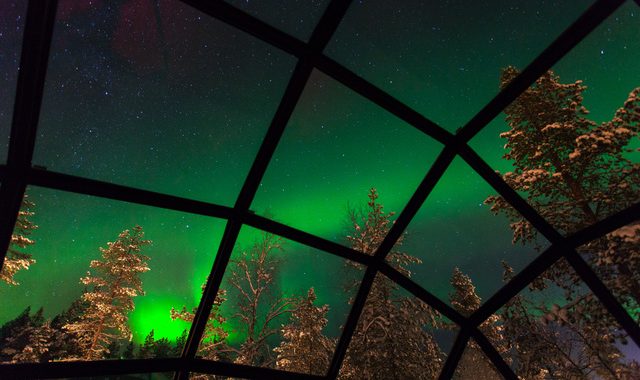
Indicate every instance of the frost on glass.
{"type": "Point", "coordinates": [569, 144]}
{"type": "Point", "coordinates": [89, 278]}
{"type": "Point", "coordinates": [281, 305]}
{"type": "Point", "coordinates": [461, 242]}
{"type": "Point", "coordinates": [397, 336]}
{"type": "Point", "coordinates": [557, 328]}
{"type": "Point", "coordinates": [157, 95]}
{"type": "Point", "coordinates": [336, 147]}
{"type": "Point", "coordinates": [12, 17]}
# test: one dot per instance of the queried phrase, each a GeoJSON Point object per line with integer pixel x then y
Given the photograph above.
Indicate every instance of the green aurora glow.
{"type": "Point", "coordinates": [336, 147]}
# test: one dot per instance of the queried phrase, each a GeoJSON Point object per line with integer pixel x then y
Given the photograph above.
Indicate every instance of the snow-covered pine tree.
{"type": "Point", "coordinates": [65, 342]}
{"type": "Point", "coordinates": [465, 300]}
{"type": "Point", "coordinates": [112, 287]}
{"type": "Point", "coordinates": [17, 259]}
{"type": "Point", "coordinates": [39, 342]}
{"type": "Point", "coordinates": [576, 172]}
{"type": "Point", "coordinates": [304, 348]}
{"type": "Point", "coordinates": [392, 339]}
{"type": "Point", "coordinates": [15, 334]}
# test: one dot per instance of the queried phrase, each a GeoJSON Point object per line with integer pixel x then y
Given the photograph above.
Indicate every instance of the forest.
{"type": "Point", "coordinates": [572, 170]}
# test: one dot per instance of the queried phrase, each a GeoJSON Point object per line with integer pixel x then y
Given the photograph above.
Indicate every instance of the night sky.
{"type": "Point", "coordinates": [166, 99]}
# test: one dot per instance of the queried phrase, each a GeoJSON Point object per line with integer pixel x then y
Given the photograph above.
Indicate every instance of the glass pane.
{"type": "Point", "coordinates": [336, 147]}
{"type": "Point", "coordinates": [397, 337]}
{"type": "Point", "coordinates": [576, 165]}
{"type": "Point", "coordinates": [95, 286]}
{"type": "Point", "coordinates": [12, 16]}
{"type": "Point", "coordinates": [158, 96]}
{"type": "Point", "coordinates": [297, 18]}
{"type": "Point", "coordinates": [558, 329]}
{"type": "Point", "coordinates": [474, 364]}
{"type": "Point", "coordinates": [461, 242]}
{"type": "Point", "coordinates": [616, 258]}
{"type": "Point", "coordinates": [282, 305]}
{"type": "Point", "coordinates": [443, 58]}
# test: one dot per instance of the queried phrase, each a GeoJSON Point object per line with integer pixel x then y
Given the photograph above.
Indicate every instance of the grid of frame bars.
{"type": "Point", "coordinates": [18, 173]}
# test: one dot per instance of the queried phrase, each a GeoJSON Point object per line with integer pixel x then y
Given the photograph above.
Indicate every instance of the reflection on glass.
{"type": "Point", "coordinates": [570, 141]}
{"type": "Point", "coordinates": [280, 305]}
{"type": "Point", "coordinates": [461, 242]}
{"type": "Point", "coordinates": [89, 278]}
{"type": "Point", "coordinates": [12, 16]}
{"type": "Point", "coordinates": [397, 337]}
{"type": "Point", "coordinates": [616, 258]}
{"type": "Point", "coordinates": [474, 364]}
{"type": "Point", "coordinates": [156, 95]}
{"type": "Point", "coordinates": [336, 147]}
{"type": "Point", "coordinates": [558, 329]}
{"type": "Point", "coordinates": [297, 18]}
{"type": "Point", "coordinates": [443, 58]}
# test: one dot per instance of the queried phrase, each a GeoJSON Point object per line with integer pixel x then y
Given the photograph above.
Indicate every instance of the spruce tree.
{"type": "Point", "coordinates": [304, 348]}
{"type": "Point", "coordinates": [147, 348]}
{"type": "Point", "coordinates": [20, 322]}
{"type": "Point", "coordinates": [112, 287]}
{"type": "Point", "coordinates": [179, 344]}
{"type": "Point", "coordinates": [474, 363]}
{"type": "Point", "coordinates": [392, 339]}
{"type": "Point", "coordinates": [17, 258]}
{"type": "Point", "coordinates": [65, 342]}
{"type": "Point", "coordinates": [38, 342]}
{"type": "Point", "coordinates": [129, 351]}
{"type": "Point", "coordinates": [14, 335]}
{"type": "Point", "coordinates": [162, 348]}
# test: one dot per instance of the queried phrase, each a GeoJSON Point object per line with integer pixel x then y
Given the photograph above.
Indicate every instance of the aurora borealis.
{"type": "Point", "coordinates": [166, 99]}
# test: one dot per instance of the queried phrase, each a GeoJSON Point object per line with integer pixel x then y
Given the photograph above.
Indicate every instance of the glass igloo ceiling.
{"type": "Point", "coordinates": [320, 189]}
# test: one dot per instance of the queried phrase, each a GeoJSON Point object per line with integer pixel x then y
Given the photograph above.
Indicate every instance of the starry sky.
{"type": "Point", "coordinates": [165, 99]}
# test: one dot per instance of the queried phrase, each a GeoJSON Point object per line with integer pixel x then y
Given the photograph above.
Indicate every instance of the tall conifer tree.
{"type": "Point", "coordinates": [112, 287]}
{"type": "Point", "coordinates": [465, 300]}
{"type": "Point", "coordinates": [575, 172]}
{"type": "Point", "coordinates": [17, 258]}
{"type": "Point", "coordinates": [304, 348]}
{"type": "Point", "coordinates": [392, 339]}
